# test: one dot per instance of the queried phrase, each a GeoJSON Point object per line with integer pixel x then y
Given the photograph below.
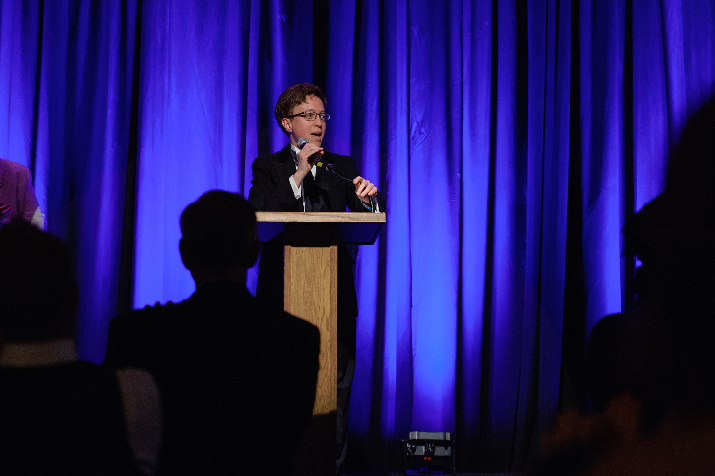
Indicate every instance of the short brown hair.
{"type": "Point", "coordinates": [293, 96]}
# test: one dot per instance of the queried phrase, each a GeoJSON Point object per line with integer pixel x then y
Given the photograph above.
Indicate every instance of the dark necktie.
{"type": "Point", "coordinates": [310, 192]}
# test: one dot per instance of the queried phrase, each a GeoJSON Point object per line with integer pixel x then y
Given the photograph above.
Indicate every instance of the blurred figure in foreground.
{"type": "Point", "coordinates": [663, 420]}
{"type": "Point", "coordinates": [59, 415]}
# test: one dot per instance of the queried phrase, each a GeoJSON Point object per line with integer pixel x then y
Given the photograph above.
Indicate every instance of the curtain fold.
{"type": "Point", "coordinates": [512, 141]}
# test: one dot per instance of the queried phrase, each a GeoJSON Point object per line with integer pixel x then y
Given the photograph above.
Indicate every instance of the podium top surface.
{"type": "Point", "coordinates": [320, 217]}
{"type": "Point", "coordinates": [353, 227]}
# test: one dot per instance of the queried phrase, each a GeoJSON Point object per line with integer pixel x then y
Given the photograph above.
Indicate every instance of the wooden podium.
{"type": "Point", "coordinates": [311, 293]}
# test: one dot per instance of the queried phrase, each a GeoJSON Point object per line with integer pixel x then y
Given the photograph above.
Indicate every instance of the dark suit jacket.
{"type": "Point", "coordinates": [237, 379]}
{"type": "Point", "coordinates": [271, 191]}
{"type": "Point", "coordinates": [16, 190]}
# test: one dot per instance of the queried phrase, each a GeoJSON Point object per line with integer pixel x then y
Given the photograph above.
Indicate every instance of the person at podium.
{"type": "Point", "coordinates": [304, 177]}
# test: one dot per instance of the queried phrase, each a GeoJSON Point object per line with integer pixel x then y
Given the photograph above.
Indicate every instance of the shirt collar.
{"type": "Point", "coordinates": [294, 149]}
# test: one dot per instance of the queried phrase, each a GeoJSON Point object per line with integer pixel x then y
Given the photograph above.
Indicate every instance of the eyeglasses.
{"type": "Point", "coordinates": [310, 116]}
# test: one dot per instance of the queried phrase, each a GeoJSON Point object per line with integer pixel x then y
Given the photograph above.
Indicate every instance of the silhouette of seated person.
{"type": "Point", "coordinates": [60, 415]}
{"type": "Point", "coordinates": [670, 355]}
{"type": "Point", "coordinates": [605, 368]}
{"type": "Point", "coordinates": [237, 378]}
{"type": "Point", "coordinates": [613, 414]}
{"type": "Point", "coordinates": [673, 360]}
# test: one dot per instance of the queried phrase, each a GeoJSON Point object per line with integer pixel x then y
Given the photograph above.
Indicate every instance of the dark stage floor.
{"type": "Point", "coordinates": [458, 474]}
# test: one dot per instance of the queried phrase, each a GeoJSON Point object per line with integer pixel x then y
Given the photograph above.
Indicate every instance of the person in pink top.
{"type": "Point", "coordinates": [17, 197]}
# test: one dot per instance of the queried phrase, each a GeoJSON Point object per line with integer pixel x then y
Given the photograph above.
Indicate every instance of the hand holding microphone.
{"type": "Point", "coordinates": [364, 189]}
{"type": "Point", "coordinates": [307, 156]}
{"type": "Point", "coordinates": [311, 152]}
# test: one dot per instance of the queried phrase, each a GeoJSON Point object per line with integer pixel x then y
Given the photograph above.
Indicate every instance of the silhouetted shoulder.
{"type": "Point", "coordinates": [133, 335]}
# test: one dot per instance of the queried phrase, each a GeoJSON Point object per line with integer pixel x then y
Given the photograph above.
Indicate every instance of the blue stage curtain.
{"type": "Point", "coordinates": [512, 141]}
{"type": "Point", "coordinates": [66, 86]}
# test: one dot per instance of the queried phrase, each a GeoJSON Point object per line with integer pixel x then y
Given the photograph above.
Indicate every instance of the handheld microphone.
{"type": "Point", "coordinates": [313, 159]}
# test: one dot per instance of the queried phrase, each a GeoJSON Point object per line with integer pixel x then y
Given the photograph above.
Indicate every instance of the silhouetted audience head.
{"type": "Point", "coordinates": [674, 237]}
{"type": "Point", "coordinates": [606, 372]}
{"type": "Point", "coordinates": [219, 233]}
{"type": "Point", "coordinates": [38, 289]}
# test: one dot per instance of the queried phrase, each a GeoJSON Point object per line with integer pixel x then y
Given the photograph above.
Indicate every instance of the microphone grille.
{"type": "Point", "coordinates": [302, 142]}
